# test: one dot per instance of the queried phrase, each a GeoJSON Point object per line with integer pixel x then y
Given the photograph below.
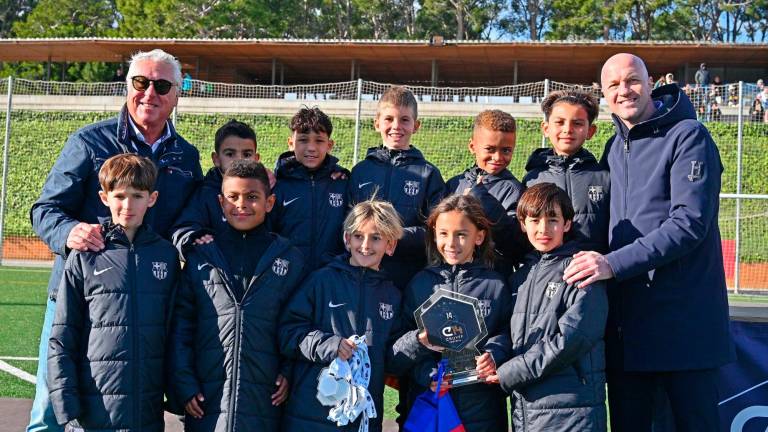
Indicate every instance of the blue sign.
{"type": "Point", "coordinates": [743, 385]}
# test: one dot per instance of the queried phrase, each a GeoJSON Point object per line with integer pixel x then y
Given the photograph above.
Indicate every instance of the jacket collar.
{"type": "Point", "coordinates": [395, 157]}
{"type": "Point", "coordinates": [127, 137]}
{"type": "Point", "coordinates": [288, 166]}
{"type": "Point", "coordinates": [471, 175]}
{"type": "Point", "coordinates": [546, 157]}
{"type": "Point", "coordinates": [114, 233]}
{"type": "Point", "coordinates": [341, 263]}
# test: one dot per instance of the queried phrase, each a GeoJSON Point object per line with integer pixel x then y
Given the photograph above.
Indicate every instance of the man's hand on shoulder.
{"type": "Point", "coordinates": [85, 237]}
{"type": "Point", "coordinates": [587, 267]}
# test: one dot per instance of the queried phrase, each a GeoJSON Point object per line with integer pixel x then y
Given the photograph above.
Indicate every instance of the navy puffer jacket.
{"type": "Point", "coordinates": [481, 407]}
{"type": "Point", "coordinates": [587, 184]}
{"type": "Point", "coordinates": [334, 303]}
{"type": "Point", "coordinates": [227, 349]}
{"type": "Point", "coordinates": [499, 195]}
{"type": "Point", "coordinates": [310, 207]}
{"type": "Point", "coordinates": [202, 214]}
{"type": "Point", "coordinates": [109, 335]}
{"type": "Point", "coordinates": [557, 370]}
{"type": "Point", "coordinates": [413, 186]}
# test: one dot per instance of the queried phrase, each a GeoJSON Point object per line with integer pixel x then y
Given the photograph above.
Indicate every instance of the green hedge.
{"type": "Point", "coordinates": [37, 138]}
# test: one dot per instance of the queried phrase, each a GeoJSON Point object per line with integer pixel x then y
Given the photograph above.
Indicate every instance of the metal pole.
{"type": "Point", "coordinates": [739, 149]}
{"type": "Point", "coordinates": [546, 92]}
{"type": "Point", "coordinates": [355, 153]}
{"type": "Point", "coordinates": [6, 145]}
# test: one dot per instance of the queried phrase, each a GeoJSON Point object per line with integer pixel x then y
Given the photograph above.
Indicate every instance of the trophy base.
{"type": "Point", "coordinates": [461, 379]}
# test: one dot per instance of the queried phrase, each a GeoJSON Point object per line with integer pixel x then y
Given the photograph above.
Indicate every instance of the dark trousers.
{"type": "Point", "coordinates": [645, 401]}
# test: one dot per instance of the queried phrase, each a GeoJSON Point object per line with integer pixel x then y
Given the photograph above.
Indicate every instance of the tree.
{"type": "Point", "coordinates": [527, 18]}
{"type": "Point", "coordinates": [460, 19]}
{"type": "Point", "coordinates": [587, 19]}
{"type": "Point", "coordinates": [12, 11]}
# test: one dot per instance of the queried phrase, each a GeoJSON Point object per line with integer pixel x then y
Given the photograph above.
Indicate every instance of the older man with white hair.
{"type": "Point", "coordinates": [69, 213]}
{"type": "Point", "coordinates": [668, 327]}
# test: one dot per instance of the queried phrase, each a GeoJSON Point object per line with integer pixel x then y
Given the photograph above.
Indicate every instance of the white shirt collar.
{"type": "Point", "coordinates": [141, 137]}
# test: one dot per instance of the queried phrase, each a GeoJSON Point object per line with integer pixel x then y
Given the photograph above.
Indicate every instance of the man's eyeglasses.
{"type": "Point", "coordinates": [141, 83]}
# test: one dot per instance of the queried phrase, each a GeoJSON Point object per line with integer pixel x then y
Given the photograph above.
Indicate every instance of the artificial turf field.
{"type": "Point", "coordinates": [22, 305]}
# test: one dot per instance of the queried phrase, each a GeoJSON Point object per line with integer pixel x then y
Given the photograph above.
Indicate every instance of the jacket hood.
{"type": "Point", "coordinates": [543, 158]}
{"type": "Point", "coordinates": [672, 106]}
{"type": "Point", "coordinates": [341, 263]}
{"type": "Point", "coordinates": [287, 166]}
{"type": "Point", "coordinates": [394, 157]}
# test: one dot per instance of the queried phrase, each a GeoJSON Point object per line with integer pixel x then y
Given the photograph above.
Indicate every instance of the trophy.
{"type": "Point", "coordinates": [453, 321]}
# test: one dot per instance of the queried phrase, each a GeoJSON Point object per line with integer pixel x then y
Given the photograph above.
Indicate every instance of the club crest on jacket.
{"type": "Point", "coordinates": [595, 193]}
{"type": "Point", "coordinates": [485, 307]}
{"type": "Point", "coordinates": [385, 311]}
{"type": "Point", "coordinates": [411, 187]}
{"type": "Point", "coordinates": [335, 199]}
{"type": "Point", "coordinates": [159, 270]}
{"type": "Point", "coordinates": [280, 266]}
{"type": "Point", "coordinates": [552, 288]}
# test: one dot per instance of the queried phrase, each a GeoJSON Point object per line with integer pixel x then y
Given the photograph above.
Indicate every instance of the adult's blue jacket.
{"type": "Point", "coordinates": [586, 182]}
{"type": "Point", "coordinates": [557, 371]}
{"type": "Point", "coordinates": [334, 303]}
{"type": "Point", "coordinates": [310, 207]}
{"type": "Point", "coordinates": [481, 407]}
{"type": "Point", "coordinates": [225, 346]}
{"type": "Point", "coordinates": [669, 308]}
{"type": "Point", "coordinates": [109, 335]}
{"type": "Point", "coordinates": [413, 186]}
{"type": "Point", "coordinates": [202, 214]}
{"type": "Point", "coordinates": [499, 195]}
{"type": "Point", "coordinates": [70, 193]}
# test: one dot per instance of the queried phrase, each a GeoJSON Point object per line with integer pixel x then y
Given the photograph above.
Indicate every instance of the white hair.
{"type": "Point", "coordinates": [159, 56]}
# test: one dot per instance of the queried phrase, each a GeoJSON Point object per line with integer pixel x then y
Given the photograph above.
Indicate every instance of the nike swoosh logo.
{"type": "Point", "coordinates": [331, 305]}
{"type": "Point", "coordinates": [200, 266]}
{"type": "Point", "coordinates": [286, 203]}
{"type": "Point", "coordinates": [98, 272]}
{"type": "Point", "coordinates": [362, 185]}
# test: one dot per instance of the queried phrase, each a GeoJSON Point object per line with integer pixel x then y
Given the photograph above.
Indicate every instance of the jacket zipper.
{"type": "Point", "coordinates": [360, 318]}
{"type": "Point", "coordinates": [235, 368]}
{"type": "Point", "coordinates": [313, 240]}
{"type": "Point", "coordinates": [525, 324]}
{"type": "Point", "coordinates": [626, 174]}
{"type": "Point", "coordinates": [134, 337]}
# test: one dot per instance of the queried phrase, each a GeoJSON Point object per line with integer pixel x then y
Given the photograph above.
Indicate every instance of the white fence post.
{"type": "Point", "coordinates": [6, 150]}
{"type": "Point", "coordinates": [546, 92]}
{"type": "Point", "coordinates": [739, 149]}
{"type": "Point", "coordinates": [355, 153]}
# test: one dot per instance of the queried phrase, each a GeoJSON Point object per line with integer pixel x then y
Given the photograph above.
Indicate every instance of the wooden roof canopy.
{"type": "Point", "coordinates": [456, 63]}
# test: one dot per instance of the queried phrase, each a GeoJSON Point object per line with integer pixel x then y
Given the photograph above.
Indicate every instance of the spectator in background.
{"type": "Point", "coordinates": [760, 85]}
{"type": "Point", "coordinates": [756, 112]}
{"type": "Point", "coordinates": [733, 95]}
{"type": "Point", "coordinates": [186, 83]}
{"type": "Point", "coordinates": [119, 76]}
{"type": "Point", "coordinates": [670, 78]}
{"type": "Point", "coordinates": [764, 100]}
{"type": "Point", "coordinates": [661, 81]}
{"type": "Point", "coordinates": [714, 110]}
{"type": "Point", "coordinates": [702, 76]}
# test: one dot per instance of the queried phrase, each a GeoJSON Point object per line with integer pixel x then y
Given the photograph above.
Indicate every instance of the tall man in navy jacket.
{"type": "Point", "coordinates": [668, 322]}
{"type": "Point", "coordinates": [68, 212]}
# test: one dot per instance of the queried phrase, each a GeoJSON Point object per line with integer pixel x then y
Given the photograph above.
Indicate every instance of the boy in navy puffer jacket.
{"type": "Point", "coordinates": [397, 172]}
{"type": "Point", "coordinates": [348, 297]}
{"type": "Point", "coordinates": [557, 370]}
{"type": "Point", "coordinates": [493, 144]}
{"type": "Point", "coordinates": [226, 369]}
{"type": "Point", "coordinates": [108, 340]}
{"type": "Point", "coordinates": [569, 117]}
{"type": "Point", "coordinates": [309, 194]}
